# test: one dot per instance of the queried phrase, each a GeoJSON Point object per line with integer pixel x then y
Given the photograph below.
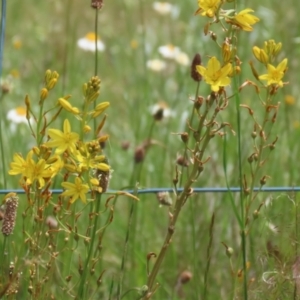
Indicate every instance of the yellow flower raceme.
{"type": "Point", "coordinates": [75, 190]}
{"type": "Point", "coordinates": [244, 19]}
{"type": "Point", "coordinates": [275, 74]}
{"type": "Point", "coordinates": [214, 75]}
{"type": "Point", "coordinates": [63, 141]}
{"type": "Point", "coordinates": [208, 8]}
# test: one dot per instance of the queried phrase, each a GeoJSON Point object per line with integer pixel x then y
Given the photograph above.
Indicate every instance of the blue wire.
{"type": "Point", "coordinates": [195, 190]}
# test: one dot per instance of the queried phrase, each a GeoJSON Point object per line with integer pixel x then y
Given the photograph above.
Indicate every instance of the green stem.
{"type": "Point", "coordinates": [242, 203]}
{"type": "Point", "coordinates": [81, 289]}
{"type": "Point", "coordinates": [3, 160]}
{"type": "Point", "coordinates": [178, 205]}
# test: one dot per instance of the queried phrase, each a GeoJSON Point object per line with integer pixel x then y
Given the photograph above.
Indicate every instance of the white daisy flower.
{"type": "Point", "coordinates": [182, 58]}
{"type": "Point", "coordinates": [87, 43]}
{"type": "Point", "coordinates": [156, 65]}
{"type": "Point", "coordinates": [17, 115]}
{"type": "Point", "coordinates": [169, 51]}
{"type": "Point", "coordinates": [161, 111]}
{"type": "Point", "coordinates": [164, 8]}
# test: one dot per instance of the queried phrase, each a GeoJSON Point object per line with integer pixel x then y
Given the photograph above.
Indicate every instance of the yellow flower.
{"type": "Point", "coordinates": [63, 141]}
{"type": "Point", "coordinates": [37, 171]}
{"type": "Point", "coordinates": [18, 166]}
{"type": "Point", "coordinates": [275, 74]}
{"type": "Point", "coordinates": [88, 161]}
{"type": "Point", "coordinates": [75, 190]}
{"type": "Point", "coordinates": [244, 19]}
{"type": "Point", "coordinates": [289, 100]}
{"type": "Point", "coordinates": [215, 75]}
{"type": "Point", "coordinates": [31, 170]}
{"type": "Point", "coordinates": [208, 8]}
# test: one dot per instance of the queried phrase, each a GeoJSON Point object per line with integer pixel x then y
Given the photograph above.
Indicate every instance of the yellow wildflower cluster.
{"type": "Point", "coordinates": [218, 73]}
{"type": "Point", "coordinates": [63, 151]}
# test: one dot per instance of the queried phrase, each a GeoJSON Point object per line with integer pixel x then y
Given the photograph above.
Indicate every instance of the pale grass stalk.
{"type": "Point", "coordinates": [208, 256]}
{"type": "Point", "coordinates": [197, 169]}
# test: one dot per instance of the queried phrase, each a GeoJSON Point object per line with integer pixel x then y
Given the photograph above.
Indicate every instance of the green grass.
{"type": "Point", "coordinates": [49, 31]}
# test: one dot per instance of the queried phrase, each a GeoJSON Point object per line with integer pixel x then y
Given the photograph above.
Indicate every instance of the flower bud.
{"type": "Point", "coordinates": [51, 84]}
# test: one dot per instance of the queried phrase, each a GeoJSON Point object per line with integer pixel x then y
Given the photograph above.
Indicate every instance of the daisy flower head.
{"type": "Point", "coordinates": [169, 51]}
{"type": "Point", "coordinates": [156, 65]}
{"type": "Point", "coordinates": [182, 59]}
{"type": "Point", "coordinates": [165, 8]}
{"type": "Point", "coordinates": [88, 43]}
{"type": "Point", "coordinates": [17, 115]}
{"type": "Point", "coordinates": [161, 111]}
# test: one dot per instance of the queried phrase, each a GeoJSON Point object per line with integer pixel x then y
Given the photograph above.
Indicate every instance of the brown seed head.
{"type": "Point", "coordinates": [125, 145]}
{"type": "Point", "coordinates": [194, 73]}
{"type": "Point", "coordinates": [10, 215]}
{"type": "Point", "coordinates": [139, 154]}
{"type": "Point", "coordinates": [97, 4]}
{"type": "Point", "coordinates": [181, 161]}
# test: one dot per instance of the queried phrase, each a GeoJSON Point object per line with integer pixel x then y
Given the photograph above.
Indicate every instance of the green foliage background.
{"type": "Point", "coordinates": [49, 31]}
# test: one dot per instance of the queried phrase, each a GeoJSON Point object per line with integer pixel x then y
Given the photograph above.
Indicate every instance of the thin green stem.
{"type": "Point", "coordinates": [81, 289]}
{"type": "Point", "coordinates": [3, 160]}
{"type": "Point", "coordinates": [242, 203]}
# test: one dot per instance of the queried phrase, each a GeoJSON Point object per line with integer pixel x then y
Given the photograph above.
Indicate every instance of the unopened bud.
{"type": "Point", "coordinates": [139, 154]}
{"type": "Point", "coordinates": [263, 180]}
{"type": "Point", "coordinates": [43, 94]}
{"type": "Point", "coordinates": [51, 84]}
{"type": "Point", "coordinates": [184, 137]}
{"type": "Point", "coordinates": [254, 134]}
{"type": "Point", "coordinates": [255, 214]}
{"type": "Point", "coordinates": [181, 161]}
{"type": "Point", "coordinates": [229, 251]}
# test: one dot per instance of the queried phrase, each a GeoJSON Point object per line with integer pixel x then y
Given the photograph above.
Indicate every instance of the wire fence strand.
{"type": "Point", "coordinates": [170, 190]}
